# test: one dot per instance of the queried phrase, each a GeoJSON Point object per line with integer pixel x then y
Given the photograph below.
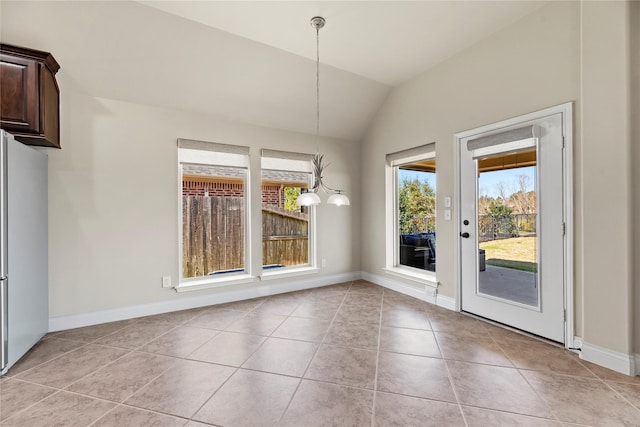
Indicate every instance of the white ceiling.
{"type": "Point", "coordinates": [385, 41]}
{"type": "Point", "coordinates": [253, 62]}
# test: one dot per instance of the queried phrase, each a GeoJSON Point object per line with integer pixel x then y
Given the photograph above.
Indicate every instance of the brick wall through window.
{"type": "Point", "coordinates": [272, 195]}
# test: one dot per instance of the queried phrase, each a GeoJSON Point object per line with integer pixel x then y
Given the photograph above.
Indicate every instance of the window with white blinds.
{"type": "Point", "coordinates": [214, 209]}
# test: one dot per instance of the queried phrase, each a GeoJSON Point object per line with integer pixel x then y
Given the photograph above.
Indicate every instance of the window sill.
{"type": "Point", "coordinates": [293, 272]}
{"type": "Point", "coordinates": [427, 278]}
{"type": "Point", "coordinates": [208, 282]}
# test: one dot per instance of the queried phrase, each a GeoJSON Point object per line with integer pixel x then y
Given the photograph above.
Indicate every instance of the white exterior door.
{"type": "Point", "coordinates": [512, 224]}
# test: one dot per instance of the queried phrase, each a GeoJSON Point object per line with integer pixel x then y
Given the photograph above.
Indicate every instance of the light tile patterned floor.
{"type": "Point", "coordinates": [352, 354]}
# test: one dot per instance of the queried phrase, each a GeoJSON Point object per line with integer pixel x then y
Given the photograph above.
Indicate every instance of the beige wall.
{"type": "Point", "coordinates": [113, 192]}
{"type": "Point", "coordinates": [531, 65]}
{"type": "Point", "coordinates": [634, 48]}
{"type": "Point", "coordinates": [109, 246]}
{"type": "Point", "coordinates": [606, 179]}
{"type": "Point", "coordinates": [536, 63]}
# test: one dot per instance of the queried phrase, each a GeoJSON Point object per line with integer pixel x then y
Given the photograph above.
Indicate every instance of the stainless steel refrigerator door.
{"type": "Point", "coordinates": [3, 252]}
{"type": "Point", "coordinates": [28, 299]}
{"type": "Point", "coordinates": [4, 355]}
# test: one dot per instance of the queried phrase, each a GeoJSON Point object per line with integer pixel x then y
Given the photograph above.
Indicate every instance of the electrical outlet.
{"type": "Point", "coordinates": [166, 281]}
{"type": "Point", "coordinates": [324, 262]}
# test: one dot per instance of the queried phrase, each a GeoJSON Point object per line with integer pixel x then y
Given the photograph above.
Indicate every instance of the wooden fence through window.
{"type": "Point", "coordinates": [285, 237]}
{"type": "Point", "coordinates": [213, 235]}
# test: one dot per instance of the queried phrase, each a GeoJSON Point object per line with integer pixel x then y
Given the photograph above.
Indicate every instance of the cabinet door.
{"type": "Point", "coordinates": [19, 97]}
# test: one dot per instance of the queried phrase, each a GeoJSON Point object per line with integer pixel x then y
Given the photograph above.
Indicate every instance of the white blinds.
{"type": "Point", "coordinates": [411, 155]}
{"type": "Point", "coordinates": [504, 142]}
{"type": "Point", "coordinates": [286, 161]}
{"type": "Point", "coordinates": [212, 153]}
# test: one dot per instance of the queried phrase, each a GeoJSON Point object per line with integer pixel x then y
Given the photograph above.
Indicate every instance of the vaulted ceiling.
{"type": "Point", "coordinates": [254, 62]}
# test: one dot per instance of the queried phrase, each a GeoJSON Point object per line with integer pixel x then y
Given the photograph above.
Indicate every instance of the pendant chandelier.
{"type": "Point", "coordinates": [311, 197]}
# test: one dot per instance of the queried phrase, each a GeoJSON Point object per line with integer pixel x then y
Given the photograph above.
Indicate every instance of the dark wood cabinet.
{"type": "Point", "coordinates": [29, 96]}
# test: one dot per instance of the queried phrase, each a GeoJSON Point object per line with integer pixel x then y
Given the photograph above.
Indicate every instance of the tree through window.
{"type": "Point", "coordinates": [416, 195]}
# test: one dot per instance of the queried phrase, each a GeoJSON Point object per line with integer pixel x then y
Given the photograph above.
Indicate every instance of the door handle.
{"type": "Point", "coordinates": [465, 235]}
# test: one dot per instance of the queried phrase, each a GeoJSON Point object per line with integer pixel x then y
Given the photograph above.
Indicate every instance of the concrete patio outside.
{"type": "Point", "coordinates": [515, 285]}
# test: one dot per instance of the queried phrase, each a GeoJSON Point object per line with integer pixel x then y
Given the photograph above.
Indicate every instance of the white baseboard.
{"type": "Point", "coordinates": [93, 318]}
{"type": "Point", "coordinates": [446, 302]}
{"type": "Point", "coordinates": [421, 294]}
{"type": "Point", "coordinates": [619, 362]}
{"type": "Point", "coordinates": [636, 359]}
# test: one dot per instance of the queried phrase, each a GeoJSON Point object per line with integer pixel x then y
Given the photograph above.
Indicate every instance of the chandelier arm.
{"type": "Point", "coordinates": [319, 168]}
{"type": "Point", "coordinates": [329, 189]}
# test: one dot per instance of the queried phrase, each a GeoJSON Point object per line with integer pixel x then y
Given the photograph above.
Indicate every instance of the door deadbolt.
{"type": "Point", "coordinates": [465, 222]}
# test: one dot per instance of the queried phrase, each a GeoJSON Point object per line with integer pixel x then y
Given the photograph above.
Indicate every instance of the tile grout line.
{"type": "Point", "coordinates": [451, 382]}
{"type": "Point", "coordinates": [173, 365]}
{"type": "Point", "coordinates": [546, 404]}
{"type": "Point", "coordinates": [65, 387]}
{"type": "Point", "coordinates": [606, 383]}
{"type": "Point", "coordinates": [514, 366]}
{"type": "Point", "coordinates": [116, 405]}
{"type": "Point", "coordinates": [621, 396]}
{"type": "Point", "coordinates": [519, 414]}
{"type": "Point", "coordinates": [494, 337]}
{"type": "Point", "coordinates": [127, 351]}
{"type": "Point", "coordinates": [236, 368]}
{"type": "Point", "coordinates": [375, 377]}
{"type": "Point", "coordinates": [85, 344]}
{"type": "Point", "coordinates": [57, 391]}
{"type": "Point", "coordinates": [218, 331]}
{"type": "Point", "coordinates": [316, 352]}
{"type": "Point", "coordinates": [133, 321]}
{"type": "Point", "coordinates": [174, 327]}
{"type": "Point", "coordinates": [500, 347]}
{"type": "Point", "coordinates": [123, 405]}
{"type": "Point", "coordinates": [287, 317]}
{"type": "Point", "coordinates": [153, 411]}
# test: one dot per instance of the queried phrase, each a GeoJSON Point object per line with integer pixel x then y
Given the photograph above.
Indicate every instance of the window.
{"type": "Point", "coordinates": [214, 209]}
{"type": "Point", "coordinates": [286, 232]}
{"type": "Point", "coordinates": [412, 209]}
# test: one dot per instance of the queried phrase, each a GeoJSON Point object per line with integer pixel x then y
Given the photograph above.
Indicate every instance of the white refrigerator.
{"type": "Point", "coordinates": [24, 297]}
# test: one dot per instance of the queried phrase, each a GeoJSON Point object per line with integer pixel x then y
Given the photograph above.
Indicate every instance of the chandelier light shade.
{"type": "Point", "coordinates": [338, 199]}
{"type": "Point", "coordinates": [308, 199]}
{"type": "Point", "coordinates": [311, 197]}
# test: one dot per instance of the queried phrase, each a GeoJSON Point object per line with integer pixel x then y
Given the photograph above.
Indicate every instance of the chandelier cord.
{"type": "Point", "coordinates": [317, 89]}
{"type": "Point", "coordinates": [318, 164]}
{"type": "Point", "coordinates": [310, 197]}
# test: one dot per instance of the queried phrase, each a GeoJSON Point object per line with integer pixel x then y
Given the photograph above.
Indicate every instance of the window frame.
{"type": "Point", "coordinates": [394, 161]}
{"type": "Point", "coordinates": [226, 156]}
{"type": "Point", "coordinates": [294, 162]}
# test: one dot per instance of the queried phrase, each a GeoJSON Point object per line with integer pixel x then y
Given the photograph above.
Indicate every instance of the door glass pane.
{"type": "Point", "coordinates": [507, 227]}
{"type": "Point", "coordinates": [416, 194]}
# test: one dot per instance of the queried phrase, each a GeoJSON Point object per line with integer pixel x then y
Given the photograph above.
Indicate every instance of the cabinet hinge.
{"type": "Point", "coordinates": [565, 314]}
{"type": "Point", "coordinates": [564, 228]}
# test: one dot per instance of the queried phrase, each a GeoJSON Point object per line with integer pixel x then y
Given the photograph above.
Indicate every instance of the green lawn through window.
{"type": "Point", "coordinates": [518, 253]}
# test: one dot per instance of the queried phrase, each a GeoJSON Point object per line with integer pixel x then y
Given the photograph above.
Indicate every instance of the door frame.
{"type": "Point", "coordinates": [566, 110]}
